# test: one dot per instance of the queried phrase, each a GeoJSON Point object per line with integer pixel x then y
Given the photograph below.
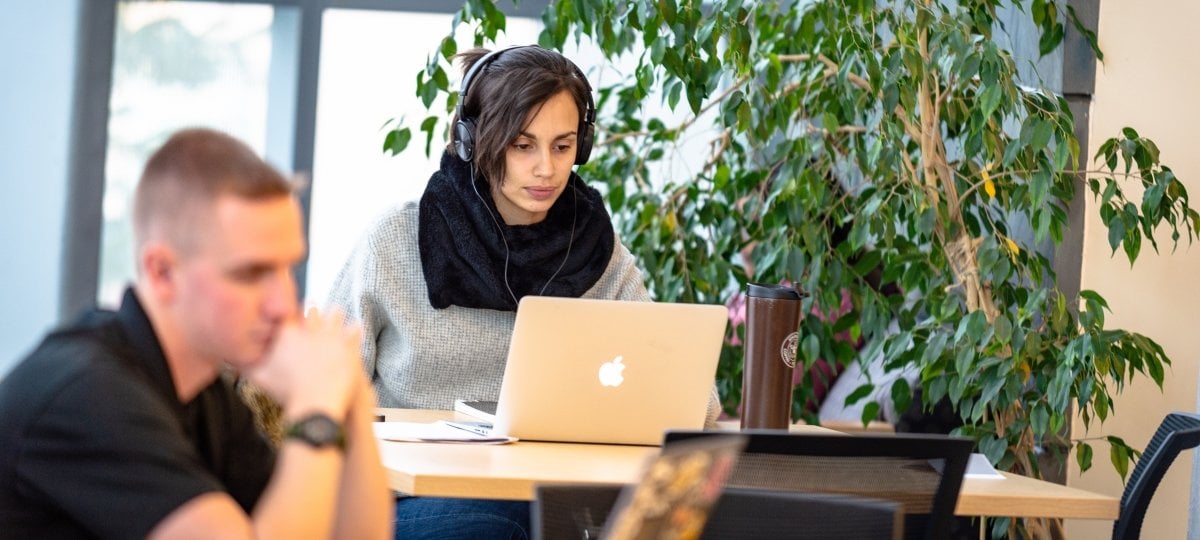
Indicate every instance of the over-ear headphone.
{"type": "Point", "coordinates": [464, 128]}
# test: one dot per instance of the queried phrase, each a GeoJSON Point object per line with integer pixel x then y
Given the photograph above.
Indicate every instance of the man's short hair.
{"type": "Point", "coordinates": [188, 173]}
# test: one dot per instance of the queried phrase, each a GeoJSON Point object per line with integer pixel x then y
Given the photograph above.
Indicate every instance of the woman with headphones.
{"type": "Point", "coordinates": [435, 284]}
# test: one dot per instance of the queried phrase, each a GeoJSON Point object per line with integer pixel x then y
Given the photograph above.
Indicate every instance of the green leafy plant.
{"type": "Point", "coordinates": [858, 143]}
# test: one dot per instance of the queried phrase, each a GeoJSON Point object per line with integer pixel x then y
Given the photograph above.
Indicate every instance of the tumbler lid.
{"type": "Point", "coordinates": [777, 292]}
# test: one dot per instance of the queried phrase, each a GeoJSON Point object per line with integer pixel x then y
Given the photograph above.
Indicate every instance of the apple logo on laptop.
{"type": "Point", "coordinates": [610, 372]}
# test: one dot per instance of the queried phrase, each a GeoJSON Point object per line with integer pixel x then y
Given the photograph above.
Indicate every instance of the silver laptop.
{"type": "Point", "coordinates": [607, 371]}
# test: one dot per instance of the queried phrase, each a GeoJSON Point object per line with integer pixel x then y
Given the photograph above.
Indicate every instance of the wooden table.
{"type": "Point", "coordinates": [510, 471]}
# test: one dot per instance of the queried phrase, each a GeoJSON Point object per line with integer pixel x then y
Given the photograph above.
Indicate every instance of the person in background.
{"type": "Point", "coordinates": [120, 425]}
{"type": "Point", "coordinates": [435, 284]}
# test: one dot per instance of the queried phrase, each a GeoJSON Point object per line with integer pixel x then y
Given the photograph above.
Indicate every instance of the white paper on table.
{"type": "Point", "coordinates": [978, 467]}
{"type": "Point", "coordinates": [433, 432]}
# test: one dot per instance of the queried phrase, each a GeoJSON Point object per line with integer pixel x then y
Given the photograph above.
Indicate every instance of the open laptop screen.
{"type": "Point", "coordinates": [608, 371]}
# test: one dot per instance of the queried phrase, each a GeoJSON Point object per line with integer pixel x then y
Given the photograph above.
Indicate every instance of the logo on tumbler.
{"type": "Point", "coordinates": [788, 349]}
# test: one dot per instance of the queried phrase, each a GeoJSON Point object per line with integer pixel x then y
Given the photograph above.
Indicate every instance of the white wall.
{"type": "Point", "coordinates": [37, 66]}
{"type": "Point", "coordinates": [1150, 80]}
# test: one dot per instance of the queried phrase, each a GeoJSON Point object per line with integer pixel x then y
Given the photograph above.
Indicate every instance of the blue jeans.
{"type": "Point", "coordinates": [449, 518]}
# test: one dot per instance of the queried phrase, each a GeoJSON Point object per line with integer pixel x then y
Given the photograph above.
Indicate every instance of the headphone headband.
{"type": "Point", "coordinates": [464, 127]}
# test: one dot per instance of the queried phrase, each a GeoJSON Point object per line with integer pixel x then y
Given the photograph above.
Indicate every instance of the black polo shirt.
{"type": "Point", "coordinates": [95, 443]}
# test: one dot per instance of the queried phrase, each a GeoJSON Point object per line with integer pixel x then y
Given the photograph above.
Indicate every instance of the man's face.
{"type": "Point", "coordinates": [235, 286]}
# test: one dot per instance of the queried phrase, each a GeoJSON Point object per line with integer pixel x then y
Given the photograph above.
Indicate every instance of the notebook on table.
{"type": "Point", "coordinates": [481, 409]}
{"type": "Point", "coordinates": [607, 371]}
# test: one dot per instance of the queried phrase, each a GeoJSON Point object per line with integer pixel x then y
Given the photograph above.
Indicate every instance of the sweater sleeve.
{"type": "Point", "coordinates": [630, 284]}
{"type": "Point", "coordinates": [354, 293]}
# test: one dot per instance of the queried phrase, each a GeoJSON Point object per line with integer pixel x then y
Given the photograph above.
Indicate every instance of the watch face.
{"type": "Point", "coordinates": [318, 430]}
{"type": "Point", "coordinates": [321, 428]}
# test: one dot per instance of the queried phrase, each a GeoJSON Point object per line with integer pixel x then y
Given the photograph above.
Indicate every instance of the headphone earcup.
{"type": "Point", "coordinates": [464, 139]}
{"type": "Point", "coordinates": [584, 148]}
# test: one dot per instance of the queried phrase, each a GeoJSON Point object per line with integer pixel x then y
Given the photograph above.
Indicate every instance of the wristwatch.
{"type": "Point", "coordinates": [318, 430]}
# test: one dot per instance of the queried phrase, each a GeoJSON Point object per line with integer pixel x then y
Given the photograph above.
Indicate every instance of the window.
{"type": "Point", "coordinates": [175, 65]}
{"type": "Point", "coordinates": [369, 62]}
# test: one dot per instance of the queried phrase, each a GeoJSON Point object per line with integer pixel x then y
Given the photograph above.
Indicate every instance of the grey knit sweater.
{"type": "Point", "coordinates": [419, 357]}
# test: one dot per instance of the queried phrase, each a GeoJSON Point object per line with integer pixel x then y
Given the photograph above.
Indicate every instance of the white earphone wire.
{"type": "Point", "coordinates": [504, 237]}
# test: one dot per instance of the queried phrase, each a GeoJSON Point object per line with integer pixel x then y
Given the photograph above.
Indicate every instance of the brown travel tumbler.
{"type": "Point", "coordinates": [772, 319]}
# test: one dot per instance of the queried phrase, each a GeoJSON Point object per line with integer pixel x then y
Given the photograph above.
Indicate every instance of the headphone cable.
{"type": "Point", "coordinates": [504, 237]}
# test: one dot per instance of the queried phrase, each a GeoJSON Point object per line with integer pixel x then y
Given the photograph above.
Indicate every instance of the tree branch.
{"type": "Point", "coordinates": [718, 151]}
{"type": "Point", "coordinates": [856, 79]}
{"type": "Point", "coordinates": [719, 98]}
{"type": "Point", "coordinates": [912, 170]}
{"type": "Point", "coordinates": [623, 135]}
{"type": "Point", "coordinates": [840, 129]}
{"type": "Point", "coordinates": [967, 193]}
{"type": "Point", "coordinates": [794, 57]}
{"type": "Point", "coordinates": [1085, 172]}
{"type": "Point", "coordinates": [832, 68]}
{"type": "Point", "coordinates": [686, 123]}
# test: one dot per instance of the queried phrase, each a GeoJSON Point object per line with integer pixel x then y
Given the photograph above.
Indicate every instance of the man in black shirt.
{"type": "Point", "coordinates": [120, 425]}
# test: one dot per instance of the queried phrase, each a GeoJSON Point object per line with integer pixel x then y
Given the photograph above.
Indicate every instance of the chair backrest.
{"type": "Point", "coordinates": [923, 473]}
{"type": "Point", "coordinates": [753, 513]}
{"type": "Point", "coordinates": [1178, 432]}
{"type": "Point", "coordinates": [570, 511]}
{"type": "Point", "coordinates": [580, 512]}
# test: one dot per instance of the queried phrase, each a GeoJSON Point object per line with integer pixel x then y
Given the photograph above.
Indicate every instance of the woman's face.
{"type": "Point", "coordinates": [538, 162]}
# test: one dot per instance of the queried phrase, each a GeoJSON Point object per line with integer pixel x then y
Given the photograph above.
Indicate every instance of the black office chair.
{"type": "Point", "coordinates": [1179, 431]}
{"type": "Point", "coordinates": [899, 468]}
{"type": "Point", "coordinates": [751, 513]}
{"type": "Point", "coordinates": [580, 511]}
{"type": "Point", "coordinates": [571, 510]}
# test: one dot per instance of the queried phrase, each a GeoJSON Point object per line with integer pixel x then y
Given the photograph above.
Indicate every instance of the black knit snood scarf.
{"type": "Point", "coordinates": [463, 254]}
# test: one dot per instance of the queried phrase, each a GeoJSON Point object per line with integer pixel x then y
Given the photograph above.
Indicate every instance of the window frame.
{"type": "Point", "coordinates": [291, 117]}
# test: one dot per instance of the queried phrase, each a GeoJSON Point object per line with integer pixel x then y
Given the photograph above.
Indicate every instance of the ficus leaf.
{"type": "Point", "coordinates": [993, 447]}
{"type": "Point", "coordinates": [1116, 233]}
{"type": "Point", "coordinates": [901, 394]}
{"type": "Point", "coordinates": [870, 412]}
{"type": "Point", "coordinates": [1119, 453]}
{"type": "Point", "coordinates": [859, 393]}
{"type": "Point", "coordinates": [396, 140]}
{"type": "Point", "coordinates": [1083, 456]}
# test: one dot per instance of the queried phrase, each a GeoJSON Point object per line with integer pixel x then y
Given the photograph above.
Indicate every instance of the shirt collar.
{"type": "Point", "coordinates": [144, 342]}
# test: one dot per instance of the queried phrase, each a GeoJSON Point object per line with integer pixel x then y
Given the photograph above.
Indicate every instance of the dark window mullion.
{"type": "Point", "coordinates": [88, 150]}
{"type": "Point", "coordinates": [308, 75]}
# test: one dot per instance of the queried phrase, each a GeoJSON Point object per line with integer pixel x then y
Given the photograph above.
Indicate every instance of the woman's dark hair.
{"type": "Point", "coordinates": [504, 93]}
